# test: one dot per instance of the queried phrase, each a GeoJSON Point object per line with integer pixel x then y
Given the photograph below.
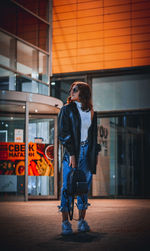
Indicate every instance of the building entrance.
{"type": "Point", "coordinates": [28, 146]}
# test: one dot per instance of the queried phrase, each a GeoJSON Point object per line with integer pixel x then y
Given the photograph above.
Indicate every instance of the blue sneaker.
{"type": "Point", "coordinates": [83, 226]}
{"type": "Point", "coordinates": [66, 228]}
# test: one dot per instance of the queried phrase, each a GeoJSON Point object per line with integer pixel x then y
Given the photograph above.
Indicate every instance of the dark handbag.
{"type": "Point", "coordinates": [76, 182]}
{"type": "Point", "coordinates": [76, 185]}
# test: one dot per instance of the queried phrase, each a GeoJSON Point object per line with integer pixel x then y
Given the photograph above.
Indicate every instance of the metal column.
{"type": "Point", "coordinates": [26, 150]}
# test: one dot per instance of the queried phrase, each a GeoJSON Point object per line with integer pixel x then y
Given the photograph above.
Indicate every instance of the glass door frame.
{"type": "Point", "coordinates": [14, 109]}
{"type": "Point", "coordinates": [43, 197]}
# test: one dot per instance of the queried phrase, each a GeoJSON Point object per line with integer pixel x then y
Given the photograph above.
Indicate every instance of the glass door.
{"type": "Point", "coordinates": [12, 150]}
{"type": "Point", "coordinates": [41, 161]}
{"type": "Point", "coordinates": [122, 168]}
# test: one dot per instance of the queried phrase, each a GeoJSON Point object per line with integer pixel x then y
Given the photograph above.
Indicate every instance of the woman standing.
{"type": "Point", "coordinates": [77, 131]}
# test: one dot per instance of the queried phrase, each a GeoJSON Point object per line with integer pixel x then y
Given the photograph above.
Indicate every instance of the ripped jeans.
{"type": "Point", "coordinates": [82, 201]}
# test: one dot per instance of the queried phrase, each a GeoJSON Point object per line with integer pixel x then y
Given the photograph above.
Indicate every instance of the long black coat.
{"type": "Point", "coordinates": [69, 133]}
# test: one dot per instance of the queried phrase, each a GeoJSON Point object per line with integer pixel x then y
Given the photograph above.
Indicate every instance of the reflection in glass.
{"type": "Point", "coordinates": [31, 62]}
{"type": "Point", "coordinates": [41, 165]}
{"type": "Point", "coordinates": [7, 80]}
{"type": "Point", "coordinates": [122, 163]}
{"type": "Point", "coordinates": [23, 24]}
{"type": "Point", "coordinates": [7, 47]}
{"type": "Point", "coordinates": [11, 81]}
{"type": "Point", "coordinates": [41, 185]}
{"type": "Point", "coordinates": [12, 149]}
{"type": "Point", "coordinates": [39, 7]}
{"type": "Point", "coordinates": [116, 93]}
{"type": "Point", "coordinates": [27, 60]}
{"type": "Point", "coordinates": [8, 16]}
{"type": "Point", "coordinates": [41, 128]}
{"type": "Point", "coordinates": [32, 30]}
{"type": "Point", "coordinates": [43, 67]}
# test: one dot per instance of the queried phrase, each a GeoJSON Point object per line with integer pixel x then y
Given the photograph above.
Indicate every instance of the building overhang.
{"type": "Point", "coordinates": [37, 103]}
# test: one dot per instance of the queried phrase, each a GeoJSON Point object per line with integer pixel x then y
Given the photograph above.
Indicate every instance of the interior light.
{"type": "Point", "coordinates": [52, 83]}
{"type": "Point", "coordinates": [11, 118]}
{"type": "Point", "coordinates": [23, 107]}
{"type": "Point", "coordinates": [36, 110]}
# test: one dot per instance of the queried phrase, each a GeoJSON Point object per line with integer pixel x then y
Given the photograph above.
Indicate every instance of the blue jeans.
{"type": "Point", "coordinates": [82, 201]}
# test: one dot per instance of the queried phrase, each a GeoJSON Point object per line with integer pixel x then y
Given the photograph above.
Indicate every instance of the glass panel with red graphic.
{"type": "Point", "coordinates": [41, 156]}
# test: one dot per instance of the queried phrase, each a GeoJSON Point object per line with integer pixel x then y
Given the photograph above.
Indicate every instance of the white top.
{"type": "Point", "coordinates": [85, 121]}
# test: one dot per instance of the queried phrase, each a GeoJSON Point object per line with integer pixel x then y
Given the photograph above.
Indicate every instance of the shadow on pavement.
{"type": "Point", "coordinates": [82, 237]}
{"type": "Point", "coordinates": [61, 240]}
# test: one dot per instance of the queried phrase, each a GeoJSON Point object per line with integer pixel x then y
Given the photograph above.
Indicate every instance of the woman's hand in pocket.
{"type": "Point", "coordinates": [72, 161]}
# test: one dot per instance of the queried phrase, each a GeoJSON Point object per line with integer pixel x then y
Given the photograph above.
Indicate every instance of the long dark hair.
{"type": "Point", "coordinates": [84, 95]}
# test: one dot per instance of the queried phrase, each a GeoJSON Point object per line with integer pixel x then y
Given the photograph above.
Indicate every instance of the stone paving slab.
{"type": "Point", "coordinates": [116, 225]}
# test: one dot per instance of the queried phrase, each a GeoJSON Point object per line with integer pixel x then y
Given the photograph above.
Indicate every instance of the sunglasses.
{"type": "Point", "coordinates": [75, 89]}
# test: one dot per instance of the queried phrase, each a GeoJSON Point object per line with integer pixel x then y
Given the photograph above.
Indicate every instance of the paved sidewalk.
{"type": "Point", "coordinates": [36, 225]}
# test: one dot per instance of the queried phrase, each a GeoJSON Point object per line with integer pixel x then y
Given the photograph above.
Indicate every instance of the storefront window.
{"type": "Point", "coordinates": [27, 60]}
{"type": "Point", "coordinates": [31, 62]}
{"type": "Point", "coordinates": [23, 58]}
{"type": "Point", "coordinates": [41, 177]}
{"type": "Point", "coordinates": [122, 168]}
{"type": "Point", "coordinates": [7, 50]}
{"type": "Point", "coordinates": [15, 82]}
{"type": "Point", "coordinates": [41, 165]}
{"type": "Point", "coordinates": [117, 93]}
{"type": "Point", "coordinates": [12, 150]}
{"type": "Point", "coordinates": [7, 80]}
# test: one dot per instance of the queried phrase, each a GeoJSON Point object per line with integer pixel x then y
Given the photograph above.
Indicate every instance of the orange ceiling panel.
{"type": "Point", "coordinates": [117, 48]}
{"type": "Point", "coordinates": [141, 61]}
{"type": "Point", "coordinates": [96, 34]}
{"type": "Point", "coordinates": [117, 64]}
{"type": "Point", "coordinates": [115, 2]}
{"type": "Point", "coordinates": [89, 5]}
